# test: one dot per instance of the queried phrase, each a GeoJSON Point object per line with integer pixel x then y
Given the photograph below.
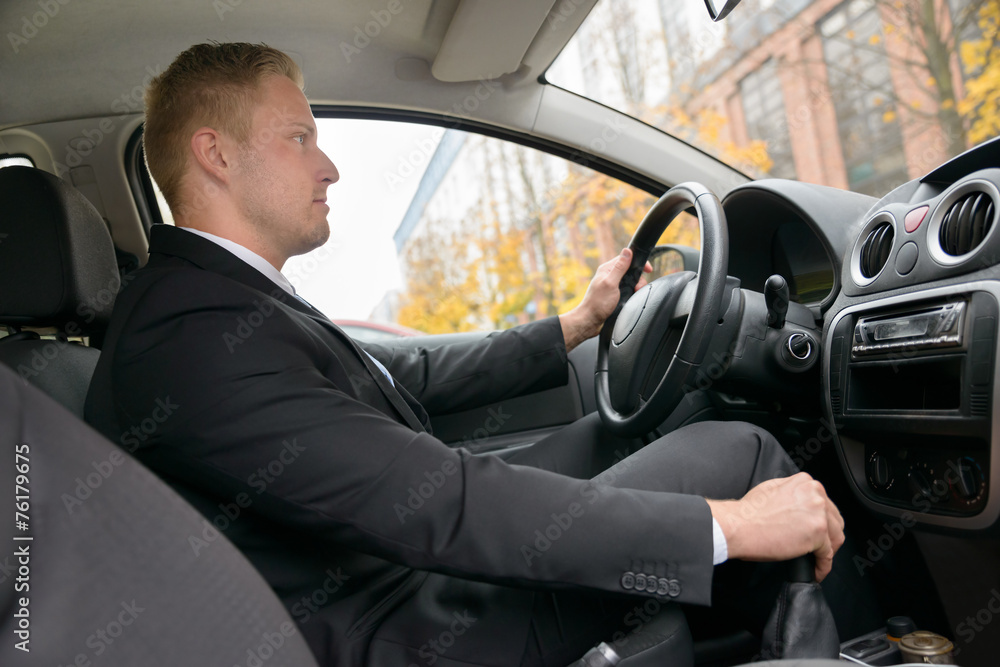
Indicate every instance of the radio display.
{"type": "Point", "coordinates": [900, 329]}
{"type": "Point", "coordinates": [936, 327]}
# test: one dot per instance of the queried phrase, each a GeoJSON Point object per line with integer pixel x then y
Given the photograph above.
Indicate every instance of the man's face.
{"type": "Point", "coordinates": [282, 177]}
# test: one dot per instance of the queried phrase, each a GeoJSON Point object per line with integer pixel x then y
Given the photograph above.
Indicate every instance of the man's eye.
{"type": "Point", "coordinates": [301, 138]}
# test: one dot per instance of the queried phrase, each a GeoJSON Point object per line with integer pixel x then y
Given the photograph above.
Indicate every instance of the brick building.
{"type": "Point", "coordinates": [842, 92]}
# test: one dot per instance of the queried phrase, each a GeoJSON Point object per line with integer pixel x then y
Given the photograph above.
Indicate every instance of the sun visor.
{"type": "Point", "coordinates": [487, 39]}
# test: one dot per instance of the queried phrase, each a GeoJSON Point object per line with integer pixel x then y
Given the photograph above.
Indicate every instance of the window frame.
{"type": "Point", "coordinates": [141, 183]}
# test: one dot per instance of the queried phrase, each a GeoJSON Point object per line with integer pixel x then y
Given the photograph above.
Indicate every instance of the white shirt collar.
{"type": "Point", "coordinates": [248, 256]}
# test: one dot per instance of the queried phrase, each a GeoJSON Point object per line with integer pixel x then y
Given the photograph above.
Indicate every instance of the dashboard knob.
{"type": "Point", "coordinates": [967, 483]}
{"type": "Point", "coordinates": [879, 473]}
{"type": "Point", "coordinates": [920, 484]}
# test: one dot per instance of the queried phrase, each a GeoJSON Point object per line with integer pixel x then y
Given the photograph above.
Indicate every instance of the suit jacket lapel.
{"type": "Point", "coordinates": [169, 240]}
{"type": "Point", "coordinates": [392, 393]}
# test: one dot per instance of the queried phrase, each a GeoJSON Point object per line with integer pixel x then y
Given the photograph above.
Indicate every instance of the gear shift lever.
{"type": "Point", "coordinates": [776, 300]}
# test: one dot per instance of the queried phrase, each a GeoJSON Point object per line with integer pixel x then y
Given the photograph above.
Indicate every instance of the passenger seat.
{"type": "Point", "coordinates": [102, 557]}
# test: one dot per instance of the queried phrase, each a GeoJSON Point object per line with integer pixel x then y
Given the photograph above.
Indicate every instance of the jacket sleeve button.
{"type": "Point", "coordinates": [662, 586]}
{"type": "Point", "coordinates": [674, 588]}
{"type": "Point", "coordinates": [640, 582]}
{"type": "Point", "coordinates": [628, 581]}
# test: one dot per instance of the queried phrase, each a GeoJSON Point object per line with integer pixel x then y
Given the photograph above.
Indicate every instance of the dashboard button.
{"type": "Point", "coordinates": [983, 328]}
{"type": "Point", "coordinates": [981, 374]}
{"type": "Point", "coordinates": [981, 352]}
{"type": "Point", "coordinates": [913, 219]}
{"type": "Point", "coordinates": [906, 258]}
{"type": "Point", "coordinates": [866, 648]}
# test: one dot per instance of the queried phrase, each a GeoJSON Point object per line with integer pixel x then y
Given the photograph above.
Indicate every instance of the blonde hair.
{"type": "Point", "coordinates": [214, 85]}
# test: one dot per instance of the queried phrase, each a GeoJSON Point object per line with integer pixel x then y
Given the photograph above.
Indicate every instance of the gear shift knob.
{"type": "Point", "coordinates": [776, 300]}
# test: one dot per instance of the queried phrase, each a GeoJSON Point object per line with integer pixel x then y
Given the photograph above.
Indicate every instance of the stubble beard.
{"type": "Point", "coordinates": [290, 232]}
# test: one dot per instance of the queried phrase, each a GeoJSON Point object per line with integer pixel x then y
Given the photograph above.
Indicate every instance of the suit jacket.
{"type": "Point", "coordinates": [270, 420]}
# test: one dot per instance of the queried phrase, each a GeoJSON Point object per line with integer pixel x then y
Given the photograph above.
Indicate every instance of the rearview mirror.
{"type": "Point", "coordinates": [719, 9]}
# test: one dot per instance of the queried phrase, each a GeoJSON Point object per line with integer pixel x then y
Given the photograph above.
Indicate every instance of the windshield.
{"type": "Point", "coordinates": [859, 94]}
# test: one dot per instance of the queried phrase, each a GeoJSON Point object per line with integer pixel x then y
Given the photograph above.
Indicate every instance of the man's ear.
{"type": "Point", "coordinates": [212, 153]}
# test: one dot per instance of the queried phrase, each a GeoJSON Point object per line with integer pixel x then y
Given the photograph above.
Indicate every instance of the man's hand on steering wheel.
{"type": "Point", "coordinates": [585, 321]}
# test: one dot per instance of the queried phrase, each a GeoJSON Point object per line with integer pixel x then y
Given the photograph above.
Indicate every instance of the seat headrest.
{"type": "Point", "coordinates": [57, 260]}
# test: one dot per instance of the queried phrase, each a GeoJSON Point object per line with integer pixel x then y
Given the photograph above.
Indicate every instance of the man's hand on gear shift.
{"type": "Point", "coordinates": [780, 519]}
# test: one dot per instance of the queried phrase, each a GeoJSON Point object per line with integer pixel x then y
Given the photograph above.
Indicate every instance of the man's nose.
{"type": "Point", "coordinates": [328, 170]}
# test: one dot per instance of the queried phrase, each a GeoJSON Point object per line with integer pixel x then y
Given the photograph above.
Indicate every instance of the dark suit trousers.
{"type": "Point", "coordinates": [718, 460]}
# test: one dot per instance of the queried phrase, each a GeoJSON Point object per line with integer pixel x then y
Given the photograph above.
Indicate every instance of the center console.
{"type": "Point", "coordinates": [909, 383]}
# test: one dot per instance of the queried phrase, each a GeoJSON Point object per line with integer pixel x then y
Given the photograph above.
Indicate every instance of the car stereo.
{"type": "Point", "coordinates": [940, 326]}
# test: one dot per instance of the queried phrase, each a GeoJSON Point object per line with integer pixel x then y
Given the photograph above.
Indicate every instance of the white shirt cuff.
{"type": "Point", "coordinates": [720, 550]}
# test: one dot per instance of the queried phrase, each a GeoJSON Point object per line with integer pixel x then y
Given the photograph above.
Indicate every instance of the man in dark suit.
{"type": "Point", "coordinates": [316, 457]}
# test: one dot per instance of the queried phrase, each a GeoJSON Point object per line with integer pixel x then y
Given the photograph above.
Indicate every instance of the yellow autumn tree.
{"type": "Point", "coordinates": [704, 129]}
{"type": "Point", "coordinates": [441, 296]}
{"type": "Point", "coordinates": [981, 62]}
{"type": "Point", "coordinates": [484, 269]}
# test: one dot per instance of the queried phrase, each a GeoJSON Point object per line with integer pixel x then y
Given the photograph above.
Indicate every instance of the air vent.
{"type": "Point", "coordinates": [966, 224]}
{"type": "Point", "coordinates": [979, 403]}
{"type": "Point", "coordinates": [875, 250]}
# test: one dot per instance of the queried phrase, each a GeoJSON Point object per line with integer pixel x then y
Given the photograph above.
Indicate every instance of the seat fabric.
{"type": "Point", "coordinates": [112, 566]}
{"type": "Point", "coordinates": [58, 270]}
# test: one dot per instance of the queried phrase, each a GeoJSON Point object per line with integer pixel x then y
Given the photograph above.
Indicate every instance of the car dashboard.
{"type": "Point", "coordinates": [906, 289]}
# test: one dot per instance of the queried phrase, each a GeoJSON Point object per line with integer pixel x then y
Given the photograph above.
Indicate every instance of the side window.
{"type": "Point", "coordinates": [483, 233]}
{"type": "Point", "coordinates": [507, 235]}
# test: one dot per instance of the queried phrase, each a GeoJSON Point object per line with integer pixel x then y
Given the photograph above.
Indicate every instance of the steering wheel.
{"type": "Point", "coordinates": [636, 335]}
